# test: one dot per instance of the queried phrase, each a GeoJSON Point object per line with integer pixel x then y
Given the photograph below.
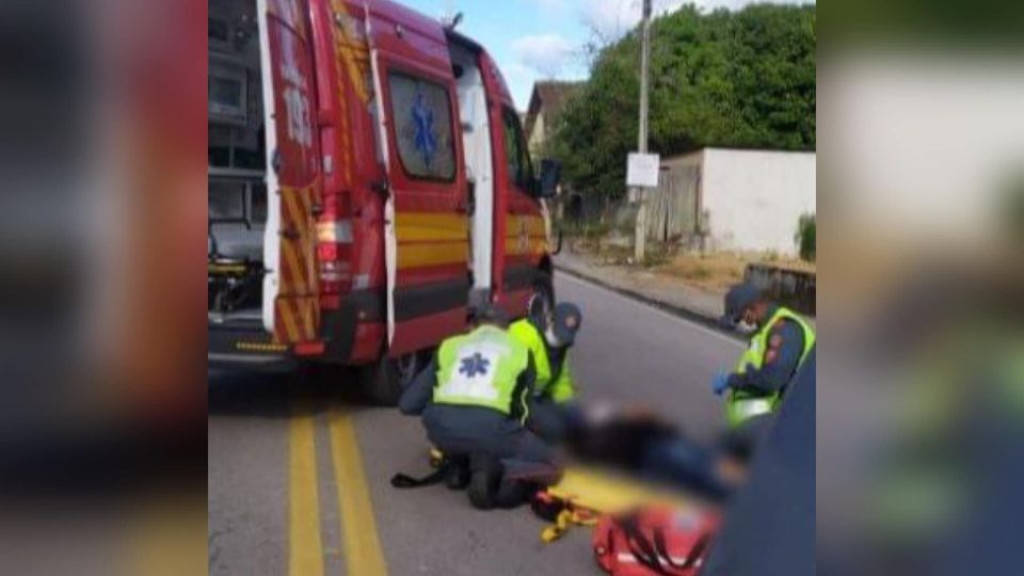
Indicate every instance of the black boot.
{"type": "Point", "coordinates": [458, 474]}
{"type": "Point", "coordinates": [483, 484]}
{"type": "Point", "coordinates": [512, 493]}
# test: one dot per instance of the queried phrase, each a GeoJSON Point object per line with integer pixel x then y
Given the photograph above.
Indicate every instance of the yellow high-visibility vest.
{"type": "Point", "coordinates": [744, 404]}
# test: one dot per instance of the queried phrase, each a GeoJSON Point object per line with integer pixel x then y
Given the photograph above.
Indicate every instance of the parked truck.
{"type": "Point", "coordinates": [369, 182]}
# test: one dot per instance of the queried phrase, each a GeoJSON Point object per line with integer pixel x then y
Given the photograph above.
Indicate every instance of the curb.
{"type": "Point", "coordinates": [688, 314]}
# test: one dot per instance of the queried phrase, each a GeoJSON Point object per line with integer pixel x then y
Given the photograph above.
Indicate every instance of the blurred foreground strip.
{"type": "Point", "coordinates": [920, 436]}
{"type": "Point", "coordinates": [102, 418]}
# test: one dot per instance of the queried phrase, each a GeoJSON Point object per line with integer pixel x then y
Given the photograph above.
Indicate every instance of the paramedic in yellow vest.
{"type": "Point", "coordinates": [780, 342]}
{"type": "Point", "coordinates": [474, 399]}
{"type": "Point", "coordinates": [549, 338]}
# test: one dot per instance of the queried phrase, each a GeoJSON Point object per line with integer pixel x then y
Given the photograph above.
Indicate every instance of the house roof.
{"type": "Point", "coordinates": [550, 96]}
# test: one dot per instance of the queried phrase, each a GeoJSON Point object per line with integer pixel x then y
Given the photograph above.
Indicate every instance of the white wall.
{"type": "Point", "coordinates": [754, 199]}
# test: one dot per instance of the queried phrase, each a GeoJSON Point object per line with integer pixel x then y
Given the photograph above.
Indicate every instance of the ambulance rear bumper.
{"type": "Point", "coordinates": [245, 345]}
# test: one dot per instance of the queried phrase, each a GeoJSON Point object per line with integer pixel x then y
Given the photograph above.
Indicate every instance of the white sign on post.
{"type": "Point", "coordinates": [642, 170]}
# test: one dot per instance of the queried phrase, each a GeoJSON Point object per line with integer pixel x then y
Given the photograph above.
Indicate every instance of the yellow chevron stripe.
{"type": "Point", "coordinates": [434, 254]}
{"type": "Point", "coordinates": [349, 51]}
{"type": "Point", "coordinates": [345, 157]}
{"type": "Point", "coordinates": [525, 235]}
{"type": "Point", "coordinates": [514, 247]}
{"type": "Point", "coordinates": [305, 202]}
{"type": "Point", "coordinates": [291, 330]}
{"type": "Point", "coordinates": [295, 214]}
{"type": "Point", "coordinates": [534, 225]}
{"type": "Point", "coordinates": [288, 249]}
{"type": "Point", "coordinates": [420, 226]}
{"type": "Point", "coordinates": [308, 308]}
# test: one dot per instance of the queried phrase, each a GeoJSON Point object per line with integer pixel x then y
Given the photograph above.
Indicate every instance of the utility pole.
{"type": "Point", "coordinates": [641, 193]}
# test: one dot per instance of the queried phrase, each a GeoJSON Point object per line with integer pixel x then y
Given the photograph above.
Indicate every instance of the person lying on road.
{"type": "Point", "coordinates": [637, 440]}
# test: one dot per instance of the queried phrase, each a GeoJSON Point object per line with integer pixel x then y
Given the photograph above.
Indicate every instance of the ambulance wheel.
{"type": "Point", "coordinates": [542, 300]}
{"type": "Point", "coordinates": [382, 383]}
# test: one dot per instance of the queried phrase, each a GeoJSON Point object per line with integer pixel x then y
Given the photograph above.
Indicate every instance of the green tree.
{"type": "Point", "coordinates": [731, 79]}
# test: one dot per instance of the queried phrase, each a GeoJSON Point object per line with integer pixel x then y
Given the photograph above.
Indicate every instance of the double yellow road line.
{"type": "Point", "coordinates": [362, 550]}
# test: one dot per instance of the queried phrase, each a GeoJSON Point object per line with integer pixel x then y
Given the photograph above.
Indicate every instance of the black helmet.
{"type": "Point", "coordinates": [737, 299]}
{"type": "Point", "coordinates": [567, 321]}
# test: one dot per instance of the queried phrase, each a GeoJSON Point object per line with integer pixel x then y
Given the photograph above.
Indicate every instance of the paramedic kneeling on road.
{"type": "Point", "coordinates": [781, 342]}
{"type": "Point", "coordinates": [549, 337]}
{"type": "Point", "coordinates": [474, 397]}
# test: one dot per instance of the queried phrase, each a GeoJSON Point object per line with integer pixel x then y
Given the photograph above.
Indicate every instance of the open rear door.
{"type": "Point", "coordinates": [290, 293]}
{"type": "Point", "coordinates": [426, 227]}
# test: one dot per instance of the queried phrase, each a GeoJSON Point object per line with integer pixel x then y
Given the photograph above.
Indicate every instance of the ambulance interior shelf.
{"type": "Point", "coordinates": [237, 213]}
{"type": "Point", "coordinates": [237, 189]}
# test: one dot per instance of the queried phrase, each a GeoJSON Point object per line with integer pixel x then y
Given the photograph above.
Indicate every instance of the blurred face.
{"type": "Point", "coordinates": [749, 315]}
{"type": "Point", "coordinates": [572, 322]}
{"type": "Point", "coordinates": [749, 319]}
{"type": "Point", "coordinates": [549, 333]}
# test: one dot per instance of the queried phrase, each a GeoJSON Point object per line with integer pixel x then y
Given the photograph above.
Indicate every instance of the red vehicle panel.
{"type": "Point", "coordinates": [296, 167]}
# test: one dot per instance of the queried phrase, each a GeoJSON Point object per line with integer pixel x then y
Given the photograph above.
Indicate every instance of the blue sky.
{"type": "Point", "coordinates": [541, 39]}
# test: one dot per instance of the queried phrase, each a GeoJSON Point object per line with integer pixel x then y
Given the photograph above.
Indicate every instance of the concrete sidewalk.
{"type": "Point", "coordinates": [663, 292]}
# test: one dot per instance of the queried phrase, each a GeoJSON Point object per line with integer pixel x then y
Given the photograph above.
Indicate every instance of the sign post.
{"type": "Point", "coordinates": [641, 211]}
{"type": "Point", "coordinates": [642, 170]}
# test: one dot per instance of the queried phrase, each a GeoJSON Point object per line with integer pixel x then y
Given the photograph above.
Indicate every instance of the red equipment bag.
{"type": "Point", "coordinates": [656, 541]}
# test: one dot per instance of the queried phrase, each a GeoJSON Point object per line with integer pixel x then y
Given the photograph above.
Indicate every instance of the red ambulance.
{"type": "Point", "coordinates": [369, 181]}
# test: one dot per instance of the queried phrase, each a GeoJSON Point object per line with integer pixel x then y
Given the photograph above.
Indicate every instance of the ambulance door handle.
{"type": "Point", "coordinates": [276, 161]}
{"type": "Point", "coordinates": [382, 187]}
{"type": "Point", "coordinates": [468, 206]}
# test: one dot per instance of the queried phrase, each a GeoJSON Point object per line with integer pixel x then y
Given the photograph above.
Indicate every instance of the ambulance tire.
{"type": "Point", "coordinates": [383, 382]}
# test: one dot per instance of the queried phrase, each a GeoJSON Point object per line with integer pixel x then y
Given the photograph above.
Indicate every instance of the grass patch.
{"type": "Point", "coordinates": [700, 273]}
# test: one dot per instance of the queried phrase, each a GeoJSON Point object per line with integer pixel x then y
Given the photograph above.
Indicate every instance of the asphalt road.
{"type": "Point", "coordinates": [298, 474]}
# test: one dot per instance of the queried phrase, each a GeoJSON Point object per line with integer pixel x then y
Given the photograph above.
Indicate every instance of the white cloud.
{"type": "Point", "coordinates": [545, 54]}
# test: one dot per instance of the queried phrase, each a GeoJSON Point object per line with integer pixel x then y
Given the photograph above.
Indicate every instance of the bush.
{"type": "Point", "coordinates": [654, 259]}
{"type": "Point", "coordinates": [806, 237]}
{"type": "Point", "coordinates": [585, 229]}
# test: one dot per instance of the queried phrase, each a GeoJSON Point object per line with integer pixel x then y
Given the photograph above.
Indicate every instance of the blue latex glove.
{"type": "Point", "coordinates": [720, 383]}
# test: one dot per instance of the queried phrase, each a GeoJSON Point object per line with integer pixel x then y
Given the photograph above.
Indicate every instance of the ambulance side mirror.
{"type": "Point", "coordinates": [550, 177]}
